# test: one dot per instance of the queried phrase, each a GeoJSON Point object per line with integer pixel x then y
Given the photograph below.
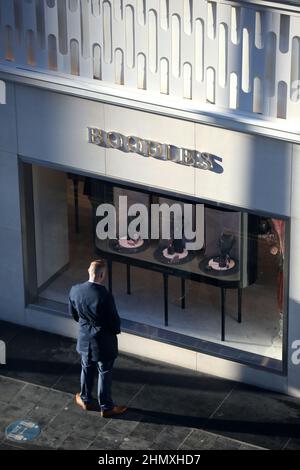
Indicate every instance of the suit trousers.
{"type": "Point", "coordinates": [104, 369]}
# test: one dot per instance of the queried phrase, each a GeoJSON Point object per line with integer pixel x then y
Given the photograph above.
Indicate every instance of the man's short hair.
{"type": "Point", "coordinates": [97, 267]}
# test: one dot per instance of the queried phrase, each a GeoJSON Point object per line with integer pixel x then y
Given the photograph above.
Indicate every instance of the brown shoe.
{"type": "Point", "coordinates": [116, 410]}
{"type": "Point", "coordinates": [82, 404]}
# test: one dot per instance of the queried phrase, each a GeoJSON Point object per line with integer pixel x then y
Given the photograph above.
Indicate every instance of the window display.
{"type": "Point", "coordinates": [214, 281]}
{"type": "Point", "coordinates": [218, 262]}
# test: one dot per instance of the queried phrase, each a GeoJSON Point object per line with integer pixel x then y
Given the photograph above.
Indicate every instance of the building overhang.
{"type": "Point", "coordinates": [290, 6]}
{"type": "Point", "coordinates": [144, 101]}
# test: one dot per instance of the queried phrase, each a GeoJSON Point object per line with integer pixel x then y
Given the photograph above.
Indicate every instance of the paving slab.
{"type": "Point", "coordinates": [169, 407]}
{"type": "Point", "coordinates": [38, 357]}
{"type": "Point", "coordinates": [258, 417]}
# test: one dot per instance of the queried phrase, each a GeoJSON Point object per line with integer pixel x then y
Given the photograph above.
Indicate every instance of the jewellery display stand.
{"type": "Point", "coordinates": [222, 238]}
{"type": "Point", "coordinates": [227, 258]}
{"type": "Point", "coordinates": [175, 251]}
{"type": "Point", "coordinates": [126, 244]}
{"type": "Point", "coordinates": [167, 253]}
{"type": "Point", "coordinates": [120, 246]}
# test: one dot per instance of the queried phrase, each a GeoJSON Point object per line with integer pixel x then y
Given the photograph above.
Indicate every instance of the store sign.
{"type": "Point", "coordinates": [150, 148]}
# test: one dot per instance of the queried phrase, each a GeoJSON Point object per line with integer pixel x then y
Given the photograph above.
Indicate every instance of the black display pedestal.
{"type": "Point", "coordinates": [146, 260]}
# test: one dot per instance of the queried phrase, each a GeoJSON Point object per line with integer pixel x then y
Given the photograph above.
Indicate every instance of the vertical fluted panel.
{"type": "Point", "coordinates": [97, 62]}
{"type": "Point", "coordinates": [176, 45]}
{"type": "Point", "coordinates": [164, 14]}
{"type": "Point", "coordinates": [52, 52]}
{"type": "Point", "coordinates": [231, 56]}
{"type": "Point", "coordinates": [130, 36]}
{"type": "Point", "coordinates": [295, 70]}
{"type": "Point", "coordinates": [107, 31]}
{"type": "Point", "coordinates": [40, 23]}
{"type": "Point", "coordinates": [62, 26]}
{"type": "Point", "coordinates": [164, 76]}
{"type": "Point", "coordinates": [85, 28]}
{"type": "Point", "coordinates": [142, 71]}
{"type": "Point", "coordinates": [152, 40]}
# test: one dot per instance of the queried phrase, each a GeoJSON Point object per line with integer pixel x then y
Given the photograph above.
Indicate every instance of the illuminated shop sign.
{"type": "Point", "coordinates": [150, 148]}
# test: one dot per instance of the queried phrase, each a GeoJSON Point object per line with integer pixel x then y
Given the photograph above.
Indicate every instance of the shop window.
{"type": "Point", "coordinates": [196, 275]}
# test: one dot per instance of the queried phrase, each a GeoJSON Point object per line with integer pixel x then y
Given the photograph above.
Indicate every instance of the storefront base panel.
{"type": "Point", "coordinates": [150, 349]}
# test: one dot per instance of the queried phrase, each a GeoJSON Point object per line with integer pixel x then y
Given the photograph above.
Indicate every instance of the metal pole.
{"type": "Point", "coordinates": [223, 313]}
{"type": "Point", "coordinates": [166, 298]}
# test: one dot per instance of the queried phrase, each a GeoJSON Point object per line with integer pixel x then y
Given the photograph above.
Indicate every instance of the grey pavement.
{"type": "Point", "coordinates": [169, 407]}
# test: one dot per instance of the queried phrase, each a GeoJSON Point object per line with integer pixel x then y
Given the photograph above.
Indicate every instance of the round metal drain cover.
{"type": "Point", "coordinates": [22, 430]}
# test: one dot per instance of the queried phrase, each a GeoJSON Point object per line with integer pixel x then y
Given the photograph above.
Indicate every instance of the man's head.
{"type": "Point", "coordinates": [97, 271]}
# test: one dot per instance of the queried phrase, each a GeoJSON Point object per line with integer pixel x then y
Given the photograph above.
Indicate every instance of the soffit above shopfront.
{"type": "Point", "coordinates": [277, 129]}
{"type": "Point", "coordinates": [225, 63]}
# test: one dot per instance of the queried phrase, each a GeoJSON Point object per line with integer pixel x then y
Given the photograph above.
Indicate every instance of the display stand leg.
{"type": "Point", "coordinates": [240, 305]}
{"type": "Point", "coordinates": [75, 187]}
{"type": "Point", "coordinates": [223, 313]}
{"type": "Point", "coordinates": [182, 293]}
{"type": "Point", "coordinates": [128, 279]}
{"type": "Point", "coordinates": [109, 265]}
{"type": "Point", "coordinates": [94, 208]}
{"type": "Point", "coordinates": [166, 298]}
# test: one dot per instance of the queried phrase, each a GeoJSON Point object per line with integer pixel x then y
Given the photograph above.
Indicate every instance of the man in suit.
{"type": "Point", "coordinates": [94, 308]}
